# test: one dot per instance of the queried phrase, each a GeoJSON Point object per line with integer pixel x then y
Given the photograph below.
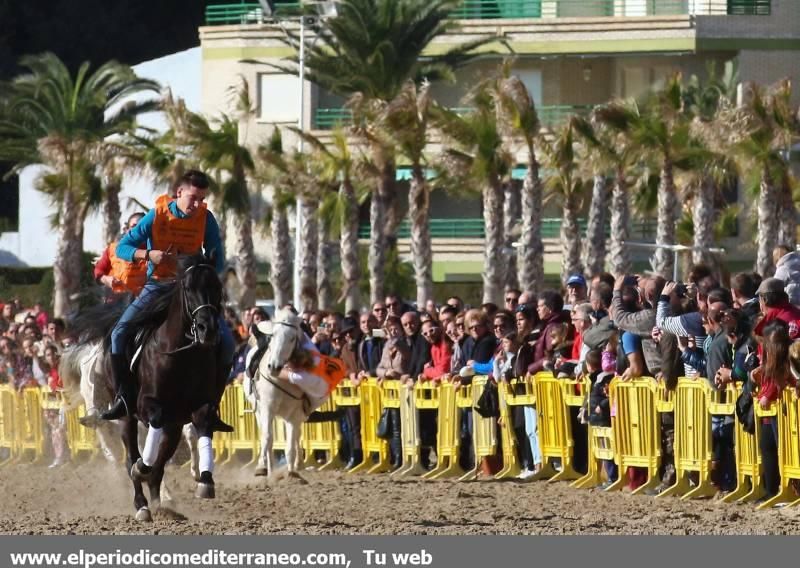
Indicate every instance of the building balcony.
{"type": "Point", "coordinates": [551, 116]}
{"type": "Point", "coordinates": [251, 13]}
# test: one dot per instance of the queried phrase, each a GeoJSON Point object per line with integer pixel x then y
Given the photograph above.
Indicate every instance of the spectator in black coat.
{"type": "Point", "coordinates": [420, 348]}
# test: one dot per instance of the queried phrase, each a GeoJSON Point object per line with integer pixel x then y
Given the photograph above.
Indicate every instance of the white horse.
{"type": "Point", "coordinates": [82, 370]}
{"type": "Point", "coordinates": [278, 398]}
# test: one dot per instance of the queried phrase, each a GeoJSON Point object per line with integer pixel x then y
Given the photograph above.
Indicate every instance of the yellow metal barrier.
{"type": "Point", "coordinates": [665, 398]}
{"type": "Point", "coordinates": [555, 429]}
{"type": "Point", "coordinates": [233, 410]}
{"type": "Point", "coordinates": [511, 465]}
{"type": "Point", "coordinates": [788, 411]}
{"type": "Point", "coordinates": [448, 428]}
{"type": "Point", "coordinates": [636, 428]}
{"type": "Point", "coordinates": [410, 434]}
{"type": "Point", "coordinates": [322, 436]}
{"type": "Point", "coordinates": [484, 430]}
{"type": "Point", "coordinates": [81, 440]}
{"type": "Point", "coordinates": [601, 447]}
{"type": "Point", "coordinates": [8, 422]}
{"type": "Point", "coordinates": [371, 408]}
{"type": "Point", "coordinates": [693, 443]}
{"type": "Point", "coordinates": [748, 462]}
{"type": "Point", "coordinates": [29, 432]}
{"type": "Point", "coordinates": [521, 392]}
{"type": "Point", "coordinates": [346, 394]}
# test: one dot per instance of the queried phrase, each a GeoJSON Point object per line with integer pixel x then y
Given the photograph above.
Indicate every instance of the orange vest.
{"type": "Point", "coordinates": [330, 369]}
{"type": "Point", "coordinates": [184, 236]}
{"type": "Point", "coordinates": [133, 275]}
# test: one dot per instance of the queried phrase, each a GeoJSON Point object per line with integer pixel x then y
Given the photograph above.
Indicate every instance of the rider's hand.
{"type": "Point", "coordinates": [109, 281]}
{"type": "Point", "coordinates": [159, 256]}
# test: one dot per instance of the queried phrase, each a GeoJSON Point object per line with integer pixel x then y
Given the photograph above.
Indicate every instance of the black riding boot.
{"type": "Point", "coordinates": [124, 403]}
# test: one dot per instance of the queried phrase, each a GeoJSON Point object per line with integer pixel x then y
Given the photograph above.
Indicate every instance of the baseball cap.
{"type": "Point", "coordinates": [576, 280]}
{"type": "Point", "coordinates": [771, 285]}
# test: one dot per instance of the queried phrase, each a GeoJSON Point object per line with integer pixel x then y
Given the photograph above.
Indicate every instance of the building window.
{"type": "Point", "coordinates": [9, 201]}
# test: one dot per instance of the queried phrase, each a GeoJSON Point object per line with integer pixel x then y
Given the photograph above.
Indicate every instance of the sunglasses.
{"type": "Point", "coordinates": [512, 299]}
{"type": "Point", "coordinates": [393, 305]}
{"type": "Point", "coordinates": [499, 326]}
{"type": "Point", "coordinates": [378, 309]}
{"type": "Point", "coordinates": [476, 326]}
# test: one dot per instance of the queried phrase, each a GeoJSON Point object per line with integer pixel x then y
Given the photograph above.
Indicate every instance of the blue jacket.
{"type": "Point", "coordinates": [142, 234]}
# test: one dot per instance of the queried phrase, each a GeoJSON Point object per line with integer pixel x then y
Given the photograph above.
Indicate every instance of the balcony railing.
{"type": "Point", "coordinates": [474, 229]}
{"type": "Point", "coordinates": [251, 13]}
{"type": "Point", "coordinates": [549, 115]}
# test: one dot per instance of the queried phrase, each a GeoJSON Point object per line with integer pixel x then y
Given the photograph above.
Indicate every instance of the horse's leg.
{"type": "Point", "coordinates": [105, 438]}
{"type": "Point", "coordinates": [190, 435]}
{"type": "Point", "coordinates": [293, 430]}
{"type": "Point", "coordinates": [203, 420]}
{"type": "Point", "coordinates": [169, 439]}
{"type": "Point", "coordinates": [266, 464]}
{"type": "Point", "coordinates": [130, 437]}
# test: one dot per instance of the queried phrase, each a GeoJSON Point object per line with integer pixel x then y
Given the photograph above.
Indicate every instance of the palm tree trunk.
{"type": "Point", "coordinates": [325, 254]}
{"type": "Point", "coordinates": [531, 250]}
{"type": "Point", "coordinates": [308, 253]}
{"type": "Point", "coordinates": [493, 260]}
{"type": "Point", "coordinates": [767, 225]}
{"type": "Point", "coordinates": [787, 229]}
{"type": "Point", "coordinates": [111, 209]}
{"type": "Point", "coordinates": [663, 262]}
{"type": "Point", "coordinates": [348, 243]}
{"type": "Point", "coordinates": [620, 226]}
{"type": "Point", "coordinates": [67, 263]}
{"type": "Point", "coordinates": [512, 211]}
{"type": "Point", "coordinates": [570, 240]}
{"type": "Point", "coordinates": [245, 260]}
{"type": "Point", "coordinates": [421, 247]}
{"type": "Point", "coordinates": [594, 248]}
{"type": "Point", "coordinates": [703, 221]}
{"type": "Point", "coordinates": [280, 269]}
{"type": "Point", "coordinates": [377, 244]}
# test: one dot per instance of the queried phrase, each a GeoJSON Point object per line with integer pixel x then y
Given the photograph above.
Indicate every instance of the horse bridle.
{"type": "Point", "coordinates": [191, 313]}
{"type": "Point", "coordinates": [270, 379]}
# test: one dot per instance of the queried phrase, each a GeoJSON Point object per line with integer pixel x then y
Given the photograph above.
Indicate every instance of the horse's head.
{"type": "Point", "coordinates": [201, 290]}
{"type": "Point", "coordinates": [286, 338]}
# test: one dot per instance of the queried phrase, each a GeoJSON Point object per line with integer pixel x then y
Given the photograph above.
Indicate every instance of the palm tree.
{"type": "Point", "coordinates": [566, 186]}
{"type": "Point", "coordinates": [406, 119]}
{"type": "Point", "coordinates": [337, 164]}
{"type": "Point", "coordinates": [760, 146]}
{"type": "Point", "coordinates": [512, 217]}
{"type": "Point", "coordinates": [521, 121]}
{"type": "Point", "coordinates": [63, 122]}
{"type": "Point", "coordinates": [218, 146]}
{"type": "Point", "coordinates": [276, 169]}
{"type": "Point", "coordinates": [660, 129]}
{"type": "Point", "coordinates": [480, 159]}
{"type": "Point", "coordinates": [594, 246]}
{"type": "Point", "coordinates": [611, 150]}
{"type": "Point", "coordinates": [371, 48]}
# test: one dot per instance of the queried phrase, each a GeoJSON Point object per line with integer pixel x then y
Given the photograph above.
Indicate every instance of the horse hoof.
{"type": "Point", "coordinates": [90, 421]}
{"type": "Point", "coordinates": [140, 472]}
{"type": "Point", "coordinates": [143, 515]}
{"type": "Point", "coordinates": [205, 491]}
{"type": "Point", "coordinates": [261, 471]}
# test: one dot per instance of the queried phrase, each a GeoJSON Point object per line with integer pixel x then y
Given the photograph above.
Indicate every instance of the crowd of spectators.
{"type": "Point", "coordinates": [31, 344]}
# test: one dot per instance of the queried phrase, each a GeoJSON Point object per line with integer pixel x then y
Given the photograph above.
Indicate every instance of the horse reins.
{"type": "Point", "coordinates": [272, 381]}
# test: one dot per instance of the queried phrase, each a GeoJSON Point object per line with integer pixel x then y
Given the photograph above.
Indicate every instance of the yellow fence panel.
{"type": "Point", "coordinates": [81, 440]}
{"type": "Point", "coordinates": [322, 436]}
{"type": "Point", "coordinates": [346, 394]}
{"type": "Point", "coordinates": [693, 443]}
{"type": "Point", "coordinates": [8, 422]}
{"type": "Point", "coordinates": [511, 465]}
{"type": "Point", "coordinates": [371, 409]}
{"type": "Point", "coordinates": [484, 430]}
{"type": "Point", "coordinates": [788, 414]}
{"type": "Point", "coordinates": [554, 429]}
{"type": "Point", "coordinates": [748, 462]}
{"type": "Point", "coordinates": [409, 434]}
{"type": "Point", "coordinates": [521, 392]}
{"type": "Point", "coordinates": [637, 429]}
{"type": "Point", "coordinates": [601, 447]}
{"type": "Point", "coordinates": [448, 431]}
{"type": "Point", "coordinates": [234, 410]}
{"type": "Point", "coordinates": [30, 432]}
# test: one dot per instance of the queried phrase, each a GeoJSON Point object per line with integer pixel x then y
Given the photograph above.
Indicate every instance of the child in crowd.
{"type": "Point", "coordinates": [54, 417]}
{"type": "Point", "coordinates": [599, 404]}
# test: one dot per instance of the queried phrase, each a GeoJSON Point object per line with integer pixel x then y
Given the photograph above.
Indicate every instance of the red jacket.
{"type": "Point", "coordinates": [441, 354]}
{"type": "Point", "coordinates": [785, 312]}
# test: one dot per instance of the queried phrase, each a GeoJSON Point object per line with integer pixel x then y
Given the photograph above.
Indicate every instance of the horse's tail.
{"type": "Point", "coordinates": [69, 369]}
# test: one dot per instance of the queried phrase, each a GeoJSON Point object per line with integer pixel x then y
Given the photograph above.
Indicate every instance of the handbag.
{"type": "Point", "coordinates": [383, 431]}
{"type": "Point", "coordinates": [744, 409]}
{"type": "Point", "coordinates": [488, 404]}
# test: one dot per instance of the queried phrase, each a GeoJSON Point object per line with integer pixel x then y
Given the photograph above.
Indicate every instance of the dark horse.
{"type": "Point", "coordinates": [177, 370]}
